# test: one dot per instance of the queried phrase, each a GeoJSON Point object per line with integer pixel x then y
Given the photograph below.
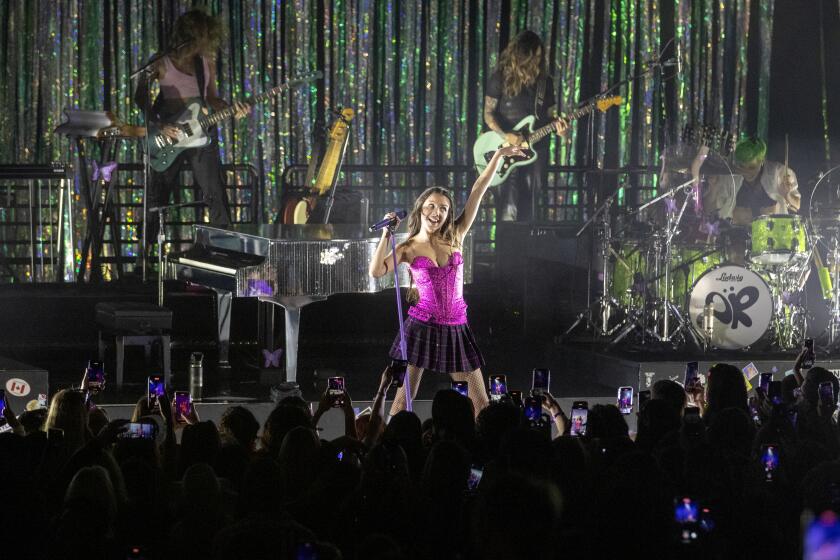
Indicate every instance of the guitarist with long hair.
{"type": "Point", "coordinates": [184, 76]}
{"type": "Point", "coordinates": [521, 86]}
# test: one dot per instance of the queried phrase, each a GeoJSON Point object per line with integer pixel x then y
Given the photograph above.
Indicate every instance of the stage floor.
{"type": "Point", "coordinates": [52, 327]}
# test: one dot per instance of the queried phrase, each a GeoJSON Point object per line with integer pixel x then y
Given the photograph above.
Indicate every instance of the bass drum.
{"type": "Point", "coordinates": [743, 306]}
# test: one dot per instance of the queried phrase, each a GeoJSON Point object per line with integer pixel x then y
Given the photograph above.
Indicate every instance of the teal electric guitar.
{"type": "Point", "coordinates": [195, 122]}
{"type": "Point", "coordinates": [487, 144]}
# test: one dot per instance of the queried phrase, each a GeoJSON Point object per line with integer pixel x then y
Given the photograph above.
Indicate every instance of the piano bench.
{"type": "Point", "coordinates": [134, 324]}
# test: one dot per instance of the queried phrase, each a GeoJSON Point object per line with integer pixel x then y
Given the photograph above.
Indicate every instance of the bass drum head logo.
{"type": "Point", "coordinates": [17, 387]}
{"type": "Point", "coordinates": [742, 302]}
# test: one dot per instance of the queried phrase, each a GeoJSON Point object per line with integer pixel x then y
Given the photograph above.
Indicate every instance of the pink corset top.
{"type": "Point", "coordinates": [441, 290]}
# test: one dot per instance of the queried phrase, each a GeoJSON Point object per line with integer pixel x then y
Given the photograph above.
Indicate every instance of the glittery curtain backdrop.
{"type": "Point", "coordinates": [414, 71]}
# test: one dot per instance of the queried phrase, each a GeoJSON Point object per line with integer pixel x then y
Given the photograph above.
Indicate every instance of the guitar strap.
{"type": "Point", "coordinates": [200, 78]}
{"type": "Point", "coordinates": [540, 97]}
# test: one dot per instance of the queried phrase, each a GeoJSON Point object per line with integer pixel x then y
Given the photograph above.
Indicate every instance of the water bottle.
{"type": "Point", "coordinates": [196, 374]}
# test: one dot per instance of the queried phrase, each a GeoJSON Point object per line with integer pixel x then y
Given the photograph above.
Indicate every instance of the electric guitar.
{"type": "Point", "coordinates": [195, 122]}
{"type": "Point", "coordinates": [488, 143]}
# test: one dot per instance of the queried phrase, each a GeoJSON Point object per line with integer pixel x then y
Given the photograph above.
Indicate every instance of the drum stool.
{"type": "Point", "coordinates": [134, 324]}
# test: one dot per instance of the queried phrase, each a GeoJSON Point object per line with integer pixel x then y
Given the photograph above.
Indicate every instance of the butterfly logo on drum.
{"type": "Point", "coordinates": [734, 305]}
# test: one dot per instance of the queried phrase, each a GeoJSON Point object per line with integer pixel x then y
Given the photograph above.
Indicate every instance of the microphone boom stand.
{"type": "Point", "coordinates": [147, 70]}
{"type": "Point", "coordinates": [403, 348]}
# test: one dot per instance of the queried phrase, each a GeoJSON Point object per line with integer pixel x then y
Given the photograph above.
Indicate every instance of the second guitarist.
{"type": "Point", "coordinates": [184, 76]}
{"type": "Point", "coordinates": [519, 87]}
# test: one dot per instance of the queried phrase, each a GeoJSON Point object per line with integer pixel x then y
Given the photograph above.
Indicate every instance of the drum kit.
{"type": "Point", "coordinates": [683, 281]}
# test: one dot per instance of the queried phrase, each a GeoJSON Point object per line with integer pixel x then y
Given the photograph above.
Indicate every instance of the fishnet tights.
{"type": "Point", "coordinates": [475, 386]}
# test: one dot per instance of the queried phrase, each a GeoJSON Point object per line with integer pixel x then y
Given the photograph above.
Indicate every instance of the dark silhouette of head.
{"type": "Point", "coordinates": [452, 417]}
{"type": "Point", "coordinates": [446, 472]}
{"type": "Point", "coordinates": [671, 392]}
{"type": "Point", "coordinates": [493, 423]}
{"type": "Point", "coordinates": [811, 385]}
{"type": "Point", "coordinates": [200, 443]}
{"type": "Point", "coordinates": [657, 419]}
{"type": "Point", "coordinates": [725, 388]}
{"type": "Point", "coordinates": [528, 510]}
{"type": "Point", "coordinates": [239, 424]}
{"type": "Point", "coordinates": [606, 422]}
{"type": "Point", "coordinates": [279, 423]}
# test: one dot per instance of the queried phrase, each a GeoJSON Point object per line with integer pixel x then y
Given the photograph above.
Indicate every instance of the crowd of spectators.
{"type": "Point", "coordinates": [495, 486]}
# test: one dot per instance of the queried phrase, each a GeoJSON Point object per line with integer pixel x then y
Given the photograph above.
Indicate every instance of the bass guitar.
{"type": "Point", "coordinates": [195, 122]}
{"type": "Point", "coordinates": [488, 143]}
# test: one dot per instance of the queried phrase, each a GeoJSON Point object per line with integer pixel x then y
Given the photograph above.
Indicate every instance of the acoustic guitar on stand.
{"type": "Point", "coordinates": [297, 209]}
{"type": "Point", "coordinates": [488, 143]}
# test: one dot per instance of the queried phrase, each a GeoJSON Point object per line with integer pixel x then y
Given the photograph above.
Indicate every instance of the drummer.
{"type": "Point", "coordinates": [761, 186]}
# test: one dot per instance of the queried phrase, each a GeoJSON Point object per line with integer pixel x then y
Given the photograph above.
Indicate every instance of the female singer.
{"type": "Point", "coordinates": [436, 330]}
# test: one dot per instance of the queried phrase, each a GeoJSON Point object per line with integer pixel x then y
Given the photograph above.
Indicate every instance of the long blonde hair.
{"type": "Point", "coordinates": [448, 231]}
{"type": "Point", "coordinates": [521, 62]}
{"type": "Point", "coordinates": [68, 412]}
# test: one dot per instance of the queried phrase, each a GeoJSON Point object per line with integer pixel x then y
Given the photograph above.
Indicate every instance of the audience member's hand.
{"type": "Point", "coordinates": [696, 393]}
{"type": "Point", "coordinates": [10, 416]}
{"type": "Point", "coordinates": [765, 407]}
{"type": "Point", "coordinates": [347, 404]}
{"type": "Point", "coordinates": [191, 418]}
{"type": "Point", "coordinates": [325, 403]}
{"type": "Point", "coordinates": [85, 385]}
{"type": "Point", "coordinates": [108, 434]}
{"type": "Point", "coordinates": [166, 410]}
{"type": "Point", "coordinates": [386, 379]}
{"type": "Point", "coordinates": [797, 365]}
{"type": "Point", "coordinates": [551, 405]}
{"type": "Point", "coordinates": [826, 410]}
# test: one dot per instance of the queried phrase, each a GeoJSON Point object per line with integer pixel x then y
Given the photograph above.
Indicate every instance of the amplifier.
{"type": "Point", "coordinates": [133, 317]}
{"type": "Point", "coordinates": [25, 171]}
{"type": "Point", "coordinates": [541, 274]}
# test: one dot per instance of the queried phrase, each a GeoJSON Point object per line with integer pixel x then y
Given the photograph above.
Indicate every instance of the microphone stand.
{"type": "Point", "coordinates": [146, 70]}
{"type": "Point", "coordinates": [600, 206]}
{"type": "Point", "coordinates": [403, 348]}
{"type": "Point", "coordinates": [161, 239]}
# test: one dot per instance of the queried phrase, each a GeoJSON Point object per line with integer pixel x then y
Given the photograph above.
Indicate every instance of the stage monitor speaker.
{"type": "Point", "coordinates": [26, 386]}
{"type": "Point", "coordinates": [541, 273]}
{"type": "Point", "coordinates": [651, 372]}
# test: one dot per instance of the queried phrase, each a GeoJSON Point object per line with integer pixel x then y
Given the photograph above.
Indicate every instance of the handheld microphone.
{"type": "Point", "coordinates": [387, 221]}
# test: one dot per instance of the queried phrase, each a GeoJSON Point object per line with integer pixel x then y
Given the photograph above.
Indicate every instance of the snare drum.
{"type": "Point", "coordinates": [743, 306]}
{"type": "Point", "coordinates": [778, 239]}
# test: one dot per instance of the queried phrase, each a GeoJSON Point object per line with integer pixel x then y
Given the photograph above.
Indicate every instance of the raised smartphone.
{"type": "Point", "coordinates": [625, 400]}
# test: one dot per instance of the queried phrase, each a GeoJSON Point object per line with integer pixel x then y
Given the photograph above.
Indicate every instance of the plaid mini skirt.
{"type": "Point", "coordinates": [440, 348]}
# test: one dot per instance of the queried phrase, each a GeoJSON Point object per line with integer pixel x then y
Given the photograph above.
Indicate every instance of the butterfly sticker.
{"type": "Point", "coordinates": [105, 172]}
{"type": "Point", "coordinates": [272, 359]}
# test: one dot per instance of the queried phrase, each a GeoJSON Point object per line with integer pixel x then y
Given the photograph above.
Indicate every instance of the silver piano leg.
{"type": "Point", "coordinates": [292, 306]}
{"type": "Point", "coordinates": [223, 307]}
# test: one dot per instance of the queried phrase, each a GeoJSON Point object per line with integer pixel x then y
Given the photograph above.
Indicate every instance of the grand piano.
{"type": "Point", "coordinates": [286, 265]}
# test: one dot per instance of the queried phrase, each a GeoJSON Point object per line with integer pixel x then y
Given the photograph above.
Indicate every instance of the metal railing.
{"type": "Point", "coordinates": [569, 197]}
{"type": "Point", "coordinates": [33, 227]}
{"type": "Point", "coordinates": [42, 225]}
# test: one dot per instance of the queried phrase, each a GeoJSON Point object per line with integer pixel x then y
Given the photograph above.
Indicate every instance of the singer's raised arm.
{"type": "Point", "coordinates": [467, 217]}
